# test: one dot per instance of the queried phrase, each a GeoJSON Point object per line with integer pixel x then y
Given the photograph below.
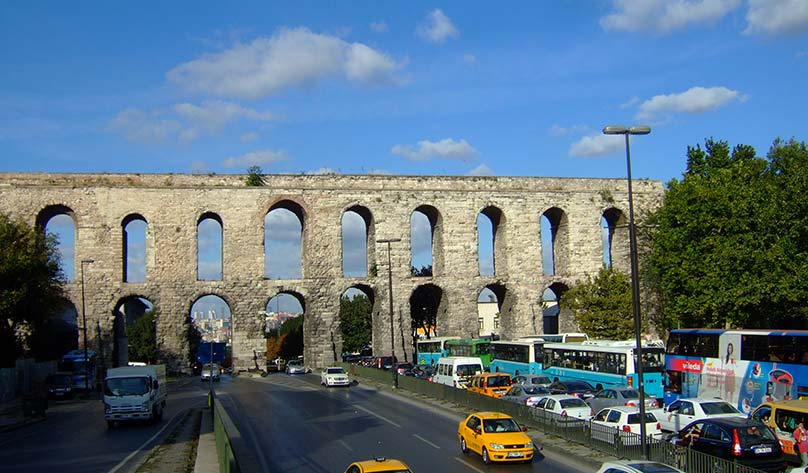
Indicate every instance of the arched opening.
{"type": "Point", "coordinates": [355, 335]}
{"type": "Point", "coordinates": [59, 221]}
{"type": "Point", "coordinates": [614, 235]}
{"type": "Point", "coordinates": [427, 306]}
{"type": "Point", "coordinates": [552, 319]}
{"type": "Point", "coordinates": [135, 229]}
{"type": "Point", "coordinates": [134, 332]}
{"type": "Point", "coordinates": [284, 326]}
{"type": "Point", "coordinates": [494, 306]}
{"type": "Point", "coordinates": [283, 241]}
{"type": "Point", "coordinates": [426, 237]}
{"type": "Point", "coordinates": [357, 241]}
{"type": "Point", "coordinates": [554, 241]}
{"type": "Point", "coordinates": [210, 332]}
{"type": "Point", "coordinates": [209, 243]}
{"type": "Point", "coordinates": [491, 242]}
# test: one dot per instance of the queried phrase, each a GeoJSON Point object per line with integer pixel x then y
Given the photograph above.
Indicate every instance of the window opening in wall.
{"type": "Point", "coordinates": [134, 332]}
{"type": "Point", "coordinates": [421, 244]}
{"type": "Point", "coordinates": [63, 228]}
{"type": "Point", "coordinates": [547, 246]}
{"type": "Point", "coordinates": [488, 305]}
{"type": "Point", "coordinates": [354, 245]}
{"type": "Point", "coordinates": [606, 232]}
{"type": "Point", "coordinates": [135, 247]}
{"type": "Point", "coordinates": [485, 245]}
{"type": "Point", "coordinates": [209, 250]}
{"type": "Point", "coordinates": [284, 327]}
{"type": "Point", "coordinates": [211, 324]}
{"type": "Point", "coordinates": [283, 236]}
{"type": "Point", "coordinates": [355, 324]}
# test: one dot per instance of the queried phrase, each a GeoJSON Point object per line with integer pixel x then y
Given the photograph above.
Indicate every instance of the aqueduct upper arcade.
{"type": "Point", "coordinates": [172, 206]}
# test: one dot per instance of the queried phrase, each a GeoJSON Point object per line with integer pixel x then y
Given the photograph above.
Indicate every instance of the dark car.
{"type": "Point", "coordinates": [384, 362]}
{"type": "Point", "coordinates": [748, 442]}
{"type": "Point", "coordinates": [60, 385]}
{"type": "Point", "coordinates": [580, 389]}
{"type": "Point", "coordinates": [403, 368]}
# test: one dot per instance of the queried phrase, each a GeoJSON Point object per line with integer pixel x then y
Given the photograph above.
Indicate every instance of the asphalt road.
{"type": "Point", "coordinates": [74, 436]}
{"type": "Point", "coordinates": [293, 424]}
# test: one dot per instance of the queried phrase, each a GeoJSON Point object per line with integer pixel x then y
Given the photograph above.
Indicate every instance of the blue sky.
{"type": "Point", "coordinates": [455, 88]}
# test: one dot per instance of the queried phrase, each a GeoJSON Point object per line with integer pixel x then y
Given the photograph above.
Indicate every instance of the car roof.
{"type": "Point", "coordinates": [793, 403]}
{"type": "Point", "coordinates": [642, 465]}
{"type": "Point", "coordinates": [491, 415]}
{"type": "Point", "coordinates": [560, 397]}
{"type": "Point", "coordinates": [730, 421]}
{"type": "Point", "coordinates": [626, 409]}
{"type": "Point", "coordinates": [701, 399]}
{"type": "Point", "coordinates": [335, 367]}
{"type": "Point", "coordinates": [381, 464]}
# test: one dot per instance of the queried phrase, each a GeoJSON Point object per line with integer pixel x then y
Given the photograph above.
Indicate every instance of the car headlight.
{"type": "Point", "coordinates": [496, 446]}
{"type": "Point", "coordinates": [107, 408]}
{"type": "Point", "coordinates": [529, 445]}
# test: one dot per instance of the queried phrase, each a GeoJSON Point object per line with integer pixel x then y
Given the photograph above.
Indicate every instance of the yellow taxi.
{"type": "Point", "coordinates": [490, 384]}
{"type": "Point", "coordinates": [496, 437]}
{"type": "Point", "coordinates": [379, 464]}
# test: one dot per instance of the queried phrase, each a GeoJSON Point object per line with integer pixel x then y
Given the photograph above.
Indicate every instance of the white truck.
{"type": "Point", "coordinates": [135, 393]}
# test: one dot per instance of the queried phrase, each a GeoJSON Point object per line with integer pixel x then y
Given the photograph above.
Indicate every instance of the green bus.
{"type": "Point", "coordinates": [479, 347]}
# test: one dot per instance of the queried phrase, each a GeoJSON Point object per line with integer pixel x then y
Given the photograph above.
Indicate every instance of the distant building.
{"type": "Point", "coordinates": [488, 316]}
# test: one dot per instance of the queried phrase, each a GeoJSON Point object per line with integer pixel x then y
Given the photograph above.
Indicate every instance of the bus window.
{"type": "Point", "coordinates": [674, 382]}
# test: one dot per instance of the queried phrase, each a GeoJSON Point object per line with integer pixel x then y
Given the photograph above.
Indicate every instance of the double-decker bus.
{"type": "Point", "coordinates": [476, 347]}
{"type": "Point", "coordinates": [517, 357]}
{"type": "Point", "coordinates": [605, 363]}
{"type": "Point", "coordinates": [430, 350]}
{"type": "Point", "coordinates": [559, 337]}
{"type": "Point", "coordinates": [744, 367]}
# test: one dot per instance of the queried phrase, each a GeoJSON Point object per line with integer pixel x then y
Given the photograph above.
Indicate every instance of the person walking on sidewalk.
{"type": "Point", "coordinates": [801, 443]}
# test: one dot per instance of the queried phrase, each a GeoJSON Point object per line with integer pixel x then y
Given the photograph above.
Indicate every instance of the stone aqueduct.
{"type": "Point", "coordinates": [172, 205]}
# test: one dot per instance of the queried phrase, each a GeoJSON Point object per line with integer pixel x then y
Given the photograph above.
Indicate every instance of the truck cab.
{"type": "Point", "coordinates": [135, 393]}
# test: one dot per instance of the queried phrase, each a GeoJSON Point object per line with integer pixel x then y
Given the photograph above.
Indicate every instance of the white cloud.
{"type": "Point", "coordinates": [215, 115]}
{"type": "Point", "coordinates": [481, 170]}
{"type": "Point", "coordinates": [777, 17]}
{"type": "Point", "coordinates": [694, 100]}
{"type": "Point", "coordinates": [379, 27]}
{"type": "Point", "coordinates": [446, 149]}
{"type": "Point", "coordinates": [597, 145]}
{"type": "Point", "coordinates": [630, 102]}
{"type": "Point", "coordinates": [144, 127]}
{"type": "Point", "coordinates": [249, 137]}
{"type": "Point", "coordinates": [255, 158]}
{"type": "Point", "coordinates": [558, 130]}
{"type": "Point", "coordinates": [665, 16]}
{"type": "Point", "coordinates": [325, 170]}
{"type": "Point", "coordinates": [469, 58]}
{"type": "Point", "coordinates": [291, 57]}
{"type": "Point", "coordinates": [437, 27]}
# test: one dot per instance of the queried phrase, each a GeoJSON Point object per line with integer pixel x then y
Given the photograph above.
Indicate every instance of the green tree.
{"type": "Point", "coordinates": [142, 338]}
{"type": "Point", "coordinates": [601, 306]}
{"type": "Point", "coordinates": [730, 242]}
{"type": "Point", "coordinates": [355, 322]}
{"type": "Point", "coordinates": [255, 176]}
{"type": "Point", "coordinates": [292, 344]}
{"type": "Point", "coordinates": [194, 337]}
{"type": "Point", "coordinates": [31, 286]}
{"type": "Point", "coordinates": [424, 271]}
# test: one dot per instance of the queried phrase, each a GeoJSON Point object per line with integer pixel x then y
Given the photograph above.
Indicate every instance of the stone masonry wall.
{"type": "Point", "coordinates": [172, 205]}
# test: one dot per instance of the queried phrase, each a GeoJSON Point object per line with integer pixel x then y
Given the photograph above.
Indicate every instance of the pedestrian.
{"type": "Point", "coordinates": [801, 443]}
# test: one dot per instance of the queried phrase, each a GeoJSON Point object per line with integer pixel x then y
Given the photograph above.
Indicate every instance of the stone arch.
{"type": "Point", "coordinates": [554, 319]}
{"type": "Point", "coordinates": [215, 324]}
{"type": "Point", "coordinates": [435, 219]}
{"type": "Point", "coordinates": [59, 334]}
{"type": "Point", "coordinates": [66, 248]}
{"type": "Point", "coordinates": [209, 255]}
{"type": "Point", "coordinates": [428, 308]}
{"type": "Point", "coordinates": [505, 299]}
{"type": "Point", "coordinates": [368, 248]}
{"type": "Point", "coordinates": [555, 245]}
{"type": "Point", "coordinates": [499, 240]}
{"type": "Point", "coordinates": [132, 267]}
{"type": "Point", "coordinates": [614, 226]}
{"type": "Point", "coordinates": [299, 262]}
{"type": "Point", "coordinates": [127, 310]}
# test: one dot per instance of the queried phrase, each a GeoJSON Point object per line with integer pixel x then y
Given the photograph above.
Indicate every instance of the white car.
{"type": "Point", "coordinates": [569, 408]}
{"type": "Point", "coordinates": [636, 466]}
{"type": "Point", "coordinates": [334, 376]}
{"type": "Point", "coordinates": [681, 412]}
{"type": "Point", "coordinates": [623, 422]}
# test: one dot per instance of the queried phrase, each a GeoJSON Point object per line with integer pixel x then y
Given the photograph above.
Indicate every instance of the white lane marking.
{"type": "Point", "coordinates": [464, 462]}
{"type": "Point", "coordinates": [345, 445]}
{"type": "Point", "coordinates": [426, 441]}
{"type": "Point", "coordinates": [140, 448]}
{"type": "Point", "coordinates": [376, 415]}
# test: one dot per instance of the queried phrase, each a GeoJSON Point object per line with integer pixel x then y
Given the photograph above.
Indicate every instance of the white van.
{"type": "Point", "coordinates": [457, 370]}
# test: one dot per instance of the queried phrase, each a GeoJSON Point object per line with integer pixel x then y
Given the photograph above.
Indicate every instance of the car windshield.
{"type": "Point", "coordinates": [541, 380]}
{"type": "Point", "coordinates": [295, 363]}
{"type": "Point", "coordinates": [536, 390]}
{"type": "Point", "coordinates": [126, 386]}
{"type": "Point", "coordinates": [635, 418]}
{"type": "Point", "coordinates": [500, 425]}
{"type": "Point", "coordinates": [210, 367]}
{"type": "Point", "coordinates": [753, 433]}
{"type": "Point", "coordinates": [335, 371]}
{"type": "Point", "coordinates": [712, 408]}
{"type": "Point", "coordinates": [574, 402]}
{"type": "Point", "coordinates": [499, 381]}
{"type": "Point", "coordinates": [578, 386]}
{"type": "Point", "coordinates": [630, 393]}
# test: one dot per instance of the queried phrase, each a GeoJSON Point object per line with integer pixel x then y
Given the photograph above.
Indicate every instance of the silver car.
{"type": "Point", "coordinates": [211, 371]}
{"type": "Point", "coordinates": [624, 396]}
{"type": "Point", "coordinates": [525, 394]}
{"type": "Point", "coordinates": [295, 367]}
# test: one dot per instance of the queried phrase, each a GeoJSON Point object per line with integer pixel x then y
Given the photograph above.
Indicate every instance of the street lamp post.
{"type": "Point", "coordinates": [635, 285]}
{"type": "Point", "coordinates": [390, 289]}
{"type": "Point", "coordinates": [84, 329]}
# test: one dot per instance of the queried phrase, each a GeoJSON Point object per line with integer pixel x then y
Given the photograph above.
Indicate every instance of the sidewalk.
{"type": "Point", "coordinates": [12, 416]}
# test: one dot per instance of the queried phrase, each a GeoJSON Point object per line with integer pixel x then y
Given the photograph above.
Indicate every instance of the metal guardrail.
{"type": "Point", "coordinates": [603, 439]}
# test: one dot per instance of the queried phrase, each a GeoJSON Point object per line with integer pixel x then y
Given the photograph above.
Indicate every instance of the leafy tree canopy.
{"type": "Point", "coordinates": [355, 321]}
{"type": "Point", "coordinates": [142, 338]}
{"type": "Point", "coordinates": [602, 306]}
{"type": "Point", "coordinates": [31, 286]}
{"type": "Point", "coordinates": [730, 246]}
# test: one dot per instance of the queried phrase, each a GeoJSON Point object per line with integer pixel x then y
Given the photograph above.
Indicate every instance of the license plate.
{"type": "Point", "coordinates": [763, 450]}
{"type": "Point", "coordinates": [515, 455]}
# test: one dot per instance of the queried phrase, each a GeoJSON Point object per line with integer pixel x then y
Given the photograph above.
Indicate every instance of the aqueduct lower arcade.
{"type": "Point", "coordinates": [544, 233]}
